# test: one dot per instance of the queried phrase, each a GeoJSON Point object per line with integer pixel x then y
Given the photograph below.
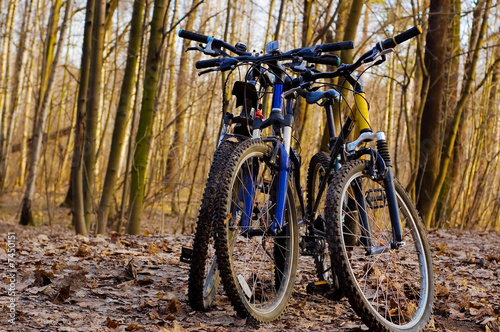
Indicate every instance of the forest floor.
{"type": "Point", "coordinates": [137, 283]}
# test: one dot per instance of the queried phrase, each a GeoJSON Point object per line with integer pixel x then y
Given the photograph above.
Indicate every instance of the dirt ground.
{"type": "Point", "coordinates": [117, 282]}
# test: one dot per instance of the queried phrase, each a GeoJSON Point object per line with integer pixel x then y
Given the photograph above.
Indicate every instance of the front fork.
{"type": "Point", "coordinates": [283, 154]}
{"type": "Point", "coordinates": [382, 168]}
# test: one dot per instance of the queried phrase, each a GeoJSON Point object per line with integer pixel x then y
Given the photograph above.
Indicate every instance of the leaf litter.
{"type": "Point", "coordinates": [137, 283]}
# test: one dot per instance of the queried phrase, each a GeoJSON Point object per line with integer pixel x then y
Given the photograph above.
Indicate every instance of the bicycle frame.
{"type": "Point", "coordinates": [361, 126]}
{"type": "Point", "coordinates": [361, 130]}
{"type": "Point", "coordinates": [285, 155]}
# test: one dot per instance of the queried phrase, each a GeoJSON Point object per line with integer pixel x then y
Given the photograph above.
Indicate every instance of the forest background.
{"type": "Point", "coordinates": [102, 111]}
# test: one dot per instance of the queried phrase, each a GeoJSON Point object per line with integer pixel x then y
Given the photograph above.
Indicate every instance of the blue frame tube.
{"type": "Point", "coordinates": [246, 195]}
{"type": "Point", "coordinates": [284, 170]}
{"type": "Point", "coordinates": [277, 92]}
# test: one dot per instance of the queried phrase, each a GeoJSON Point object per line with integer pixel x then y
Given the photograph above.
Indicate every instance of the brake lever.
{"type": "Point", "coordinates": [208, 71]}
{"type": "Point", "coordinates": [208, 49]}
{"type": "Point", "coordinates": [383, 53]}
{"type": "Point", "coordinates": [296, 66]}
{"type": "Point", "coordinates": [377, 54]}
{"type": "Point", "coordinates": [193, 48]}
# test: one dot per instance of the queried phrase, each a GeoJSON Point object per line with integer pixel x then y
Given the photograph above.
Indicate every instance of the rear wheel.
{"type": "Point", "coordinates": [390, 289]}
{"type": "Point", "coordinates": [257, 267]}
{"type": "Point", "coordinates": [315, 174]}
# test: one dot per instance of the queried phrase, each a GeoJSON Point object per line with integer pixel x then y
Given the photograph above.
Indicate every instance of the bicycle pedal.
{"type": "Point", "coordinates": [186, 254]}
{"type": "Point", "coordinates": [318, 287]}
{"type": "Point", "coordinates": [376, 198]}
{"type": "Point", "coordinates": [310, 245]}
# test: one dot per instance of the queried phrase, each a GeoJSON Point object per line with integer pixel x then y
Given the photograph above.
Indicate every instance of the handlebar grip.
{"type": "Point", "coordinates": [332, 47]}
{"type": "Point", "coordinates": [193, 36]}
{"type": "Point", "coordinates": [326, 59]}
{"type": "Point", "coordinates": [401, 38]}
{"type": "Point", "coordinates": [208, 63]}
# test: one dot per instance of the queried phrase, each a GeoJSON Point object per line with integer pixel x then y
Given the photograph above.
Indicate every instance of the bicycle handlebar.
{"type": "Point", "coordinates": [332, 47]}
{"type": "Point", "coordinates": [401, 38]}
{"type": "Point", "coordinates": [193, 36]}
{"type": "Point", "coordinates": [309, 54]}
{"type": "Point", "coordinates": [215, 43]}
{"type": "Point", "coordinates": [347, 69]}
{"type": "Point", "coordinates": [202, 64]}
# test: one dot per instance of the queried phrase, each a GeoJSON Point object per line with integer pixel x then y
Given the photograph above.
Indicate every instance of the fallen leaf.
{"type": "Point", "coordinates": [240, 322]}
{"type": "Point", "coordinates": [43, 278]}
{"type": "Point", "coordinates": [133, 327]}
{"type": "Point", "coordinates": [83, 251]}
{"type": "Point", "coordinates": [152, 249]}
{"type": "Point", "coordinates": [63, 295]}
{"type": "Point", "coordinates": [145, 281]}
{"type": "Point", "coordinates": [173, 305]}
{"type": "Point", "coordinates": [442, 290]}
{"type": "Point", "coordinates": [111, 324]}
{"type": "Point", "coordinates": [487, 320]}
{"type": "Point", "coordinates": [43, 238]}
{"type": "Point", "coordinates": [130, 270]}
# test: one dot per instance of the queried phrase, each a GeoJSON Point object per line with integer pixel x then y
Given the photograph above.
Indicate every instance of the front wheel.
{"type": "Point", "coordinates": [391, 289]}
{"type": "Point", "coordinates": [204, 276]}
{"type": "Point", "coordinates": [256, 266]}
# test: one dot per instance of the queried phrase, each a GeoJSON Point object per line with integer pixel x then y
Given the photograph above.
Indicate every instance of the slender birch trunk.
{"type": "Point", "coordinates": [122, 114]}
{"type": "Point", "coordinates": [76, 185]}
{"type": "Point", "coordinates": [26, 212]}
{"type": "Point", "coordinates": [143, 136]}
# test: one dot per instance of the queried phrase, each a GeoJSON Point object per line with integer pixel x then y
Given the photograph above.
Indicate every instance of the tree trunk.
{"type": "Point", "coordinates": [76, 185]}
{"type": "Point", "coordinates": [143, 136]}
{"type": "Point", "coordinates": [280, 19]}
{"type": "Point", "coordinates": [428, 206]}
{"type": "Point", "coordinates": [36, 147]}
{"type": "Point", "coordinates": [176, 151]}
{"type": "Point", "coordinates": [14, 99]}
{"type": "Point", "coordinates": [93, 105]}
{"type": "Point", "coordinates": [122, 114]}
{"type": "Point", "coordinates": [430, 129]}
{"type": "Point", "coordinates": [451, 89]}
{"type": "Point", "coordinates": [4, 81]}
{"type": "Point", "coordinates": [351, 28]}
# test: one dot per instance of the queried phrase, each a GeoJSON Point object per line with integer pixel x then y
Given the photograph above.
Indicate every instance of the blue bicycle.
{"type": "Point", "coordinates": [361, 227]}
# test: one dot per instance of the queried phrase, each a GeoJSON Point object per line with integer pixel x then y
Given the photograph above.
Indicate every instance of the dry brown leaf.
{"type": "Point", "coordinates": [152, 249]}
{"type": "Point", "coordinates": [83, 251]}
{"type": "Point", "coordinates": [111, 324]}
{"type": "Point", "coordinates": [43, 278]}
{"type": "Point", "coordinates": [130, 270]}
{"type": "Point", "coordinates": [442, 290]}
{"type": "Point", "coordinates": [63, 295]}
{"type": "Point", "coordinates": [133, 327]}
{"type": "Point", "coordinates": [145, 281]}
{"type": "Point", "coordinates": [173, 305]}
{"type": "Point", "coordinates": [240, 322]}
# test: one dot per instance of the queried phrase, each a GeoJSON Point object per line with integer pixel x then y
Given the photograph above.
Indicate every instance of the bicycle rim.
{"type": "Point", "coordinates": [391, 289]}
{"type": "Point", "coordinates": [261, 266]}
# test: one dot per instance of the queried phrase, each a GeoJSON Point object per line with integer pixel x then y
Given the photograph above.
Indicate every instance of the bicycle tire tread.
{"type": "Point", "coordinates": [204, 226]}
{"type": "Point", "coordinates": [223, 256]}
{"type": "Point", "coordinates": [334, 232]}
